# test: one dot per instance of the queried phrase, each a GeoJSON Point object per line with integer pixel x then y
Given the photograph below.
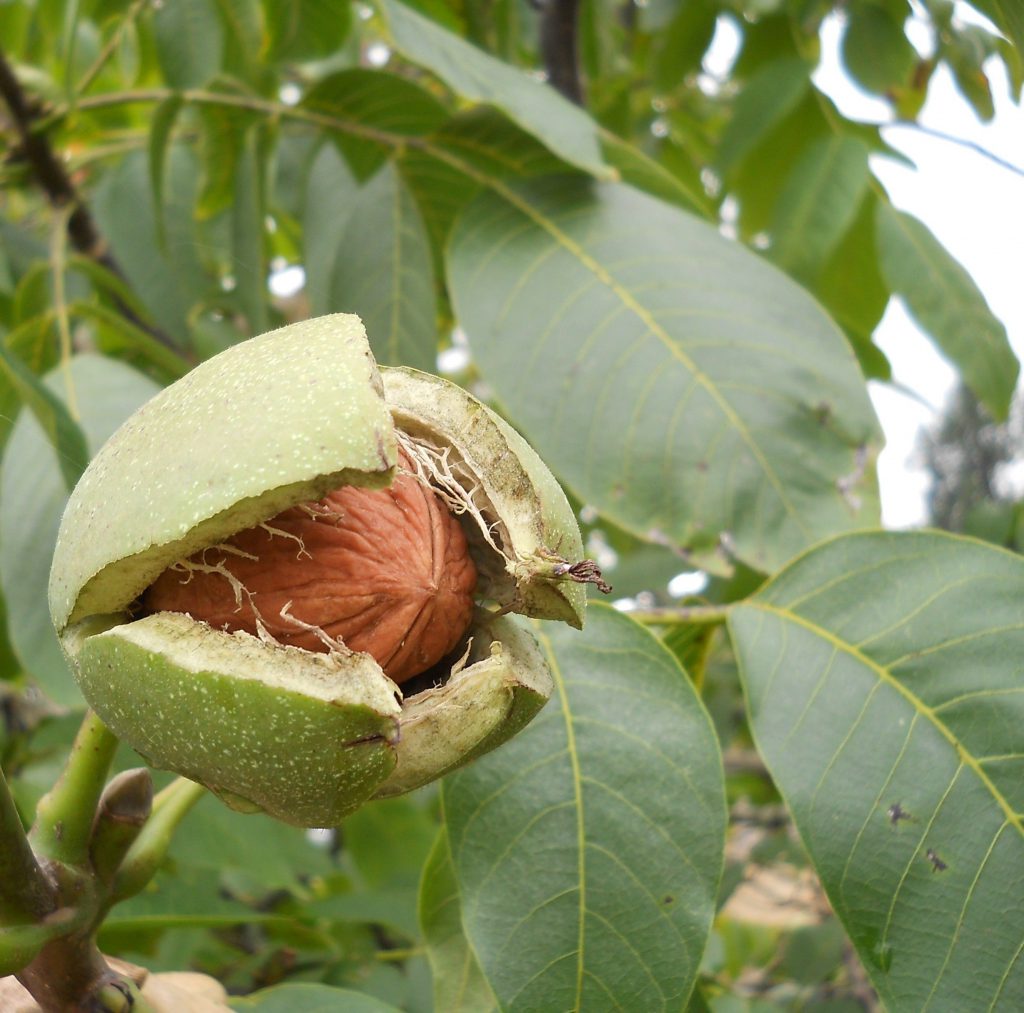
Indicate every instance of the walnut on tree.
{"type": "Point", "coordinates": [233, 479]}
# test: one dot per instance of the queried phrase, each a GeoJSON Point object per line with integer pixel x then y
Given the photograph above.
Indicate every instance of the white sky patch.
{"type": "Point", "coordinates": [692, 582]}
{"type": "Point", "coordinates": [289, 93]}
{"type": "Point", "coordinates": [452, 360]}
{"type": "Point", "coordinates": [287, 281]}
{"type": "Point", "coordinates": [377, 54]}
{"type": "Point", "coordinates": [724, 48]}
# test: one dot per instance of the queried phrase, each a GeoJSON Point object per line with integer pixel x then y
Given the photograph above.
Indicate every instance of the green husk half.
{"type": "Point", "coordinates": [505, 684]}
{"type": "Point", "coordinates": [272, 422]}
{"type": "Point", "coordinates": [306, 737]}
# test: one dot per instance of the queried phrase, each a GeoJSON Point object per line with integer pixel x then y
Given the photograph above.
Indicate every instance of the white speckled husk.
{"type": "Point", "coordinates": [271, 422]}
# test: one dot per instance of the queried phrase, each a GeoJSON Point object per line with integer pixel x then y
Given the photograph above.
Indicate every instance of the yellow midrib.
{"type": "Point", "coordinates": [1013, 818]}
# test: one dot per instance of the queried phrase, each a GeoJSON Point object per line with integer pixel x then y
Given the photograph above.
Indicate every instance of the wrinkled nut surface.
{"type": "Point", "coordinates": [382, 571]}
{"type": "Point", "coordinates": [447, 504]}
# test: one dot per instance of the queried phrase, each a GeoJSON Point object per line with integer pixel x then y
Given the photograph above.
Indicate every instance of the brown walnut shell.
{"type": "Point", "coordinates": [382, 571]}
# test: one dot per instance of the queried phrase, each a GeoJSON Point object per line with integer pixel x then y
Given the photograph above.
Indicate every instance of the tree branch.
{"type": "Point", "coordinates": [962, 142]}
{"type": "Point", "coordinates": [25, 892]}
{"type": "Point", "coordinates": [558, 48]}
{"type": "Point", "coordinates": [52, 177]}
{"type": "Point", "coordinates": [694, 615]}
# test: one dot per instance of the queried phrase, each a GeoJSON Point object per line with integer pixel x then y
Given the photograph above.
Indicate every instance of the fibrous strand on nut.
{"type": "Point", "coordinates": [385, 571]}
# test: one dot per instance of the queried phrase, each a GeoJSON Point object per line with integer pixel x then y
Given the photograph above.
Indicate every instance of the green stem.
{"type": "Point", "coordinates": [111, 46]}
{"type": "Point", "coordinates": [139, 866]}
{"type": "Point", "coordinates": [692, 615]}
{"type": "Point", "coordinates": [25, 892]}
{"type": "Point", "coordinates": [20, 944]}
{"type": "Point", "coordinates": [65, 814]}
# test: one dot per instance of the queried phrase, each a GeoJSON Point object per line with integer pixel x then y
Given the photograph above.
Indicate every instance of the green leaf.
{"type": "Point", "coordinates": [185, 897]}
{"type": "Point", "coordinates": [225, 133]}
{"type": "Point", "coordinates": [168, 277]}
{"type": "Point", "coordinates": [588, 849]}
{"type": "Point", "coordinates": [1008, 15]}
{"type": "Point", "coordinates": [674, 380]}
{"type": "Point", "coordinates": [942, 297]}
{"type": "Point", "coordinates": [538, 109]}
{"type": "Point", "coordinates": [770, 95]}
{"type": "Point", "coordinates": [883, 681]}
{"type": "Point", "coordinates": [62, 431]}
{"type": "Point", "coordinates": [852, 289]}
{"type": "Point", "coordinates": [390, 283]}
{"type": "Point", "coordinates": [249, 262]}
{"type": "Point", "coordinates": [459, 984]}
{"type": "Point", "coordinates": [643, 172]}
{"type": "Point", "coordinates": [818, 204]}
{"type": "Point", "coordinates": [305, 29]}
{"type": "Point", "coordinates": [164, 117]}
{"type": "Point", "coordinates": [758, 180]}
{"type": "Point", "coordinates": [244, 55]}
{"type": "Point", "coordinates": [966, 51]}
{"type": "Point", "coordinates": [310, 998]}
{"type": "Point", "coordinates": [681, 46]}
{"type": "Point", "coordinates": [217, 838]}
{"type": "Point", "coordinates": [370, 101]}
{"type": "Point", "coordinates": [390, 840]}
{"type": "Point", "coordinates": [105, 282]}
{"type": "Point", "coordinates": [331, 192]}
{"type": "Point", "coordinates": [118, 335]}
{"type": "Point", "coordinates": [32, 498]}
{"type": "Point", "coordinates": [481, 138]}
{"type": "Point", "coordinates": [34, 343]}
{"type": "Point", "coordinates": [875, 49]}
{"type": "Point", "coordinates": [189, 42]}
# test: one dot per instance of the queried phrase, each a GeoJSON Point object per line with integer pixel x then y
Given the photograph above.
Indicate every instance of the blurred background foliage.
{"type": "Point", "coordinates": [177, 175]}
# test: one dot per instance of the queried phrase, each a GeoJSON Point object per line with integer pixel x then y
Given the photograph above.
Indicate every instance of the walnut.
{"type": "Point", "coordinates": [260, 713]}
{"type": "Point", "coordinates": [383, 571]}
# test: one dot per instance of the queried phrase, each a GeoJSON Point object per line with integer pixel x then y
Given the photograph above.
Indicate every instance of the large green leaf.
{"type": "Point", "coordinates": [32, 498]}
{"type": "Point", "coordinates": [768, 98]}
{"type": "Point", "coordinates": [34, 343]}
{"type": "Point", "coordinates": [480, 139]}
{"type": "Point", "coordinates": [818, 204]}
{"type": "Point", "coordinates": [249, 262]}
{"type": "Point", "coordinates": [876, 51]}
{"type": "Point", "coordinates": [588, 849]}
{"type": "Point", "coordinates": [331, 191]}
{"type": "Point", "coordinates": [852, 289]}
{"type": "Point", "coordinates": [944, 300]}
{"type": "Point", "coordinates": [163, 267]}
{"type": "Point", "coordinates": [370, 102]}
{"type": "Point", "coordinates": [161, 129]}
{"type": "Point", "coordinates": [459, 984]}
{"type": "Point", "coordinates": [564, 128]}
{"type": "Point", "coordinates": [62, 431]}
{"type": "Point", "coordinates": [305, 29]}
{"type": "Point", "coordinates": [390, 281]}
{"type": "Point", "coordinates": [1008, 16]}
{"type": "Point", "coordinates": [677, 382]}
{"type": "Point", "coordinates": [882, 674]}
{"type": "Point", "coordinates": [189, 38]}
{"type": "Point", "coordinates": [220, 839]}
